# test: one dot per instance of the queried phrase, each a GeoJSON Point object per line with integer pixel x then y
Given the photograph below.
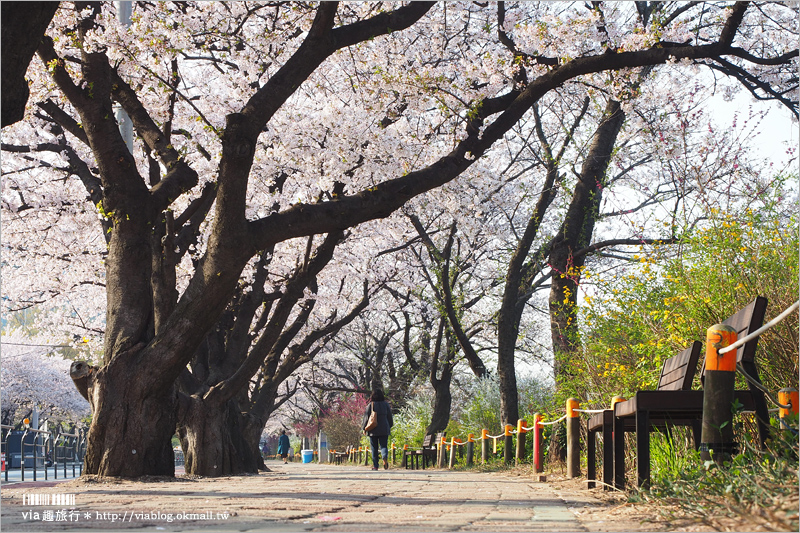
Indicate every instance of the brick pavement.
{"type": "Point", "coordinates": [305, 497]}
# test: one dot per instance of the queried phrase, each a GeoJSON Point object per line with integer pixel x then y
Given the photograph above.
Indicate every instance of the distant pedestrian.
{"type": "Point", "coordinates": [379, 436]}
{"type": "Point", "coordinates": [283, 446]}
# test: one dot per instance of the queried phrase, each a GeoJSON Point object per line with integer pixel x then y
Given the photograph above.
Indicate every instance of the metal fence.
{"type": "Point", "coordinates": [36, 453]}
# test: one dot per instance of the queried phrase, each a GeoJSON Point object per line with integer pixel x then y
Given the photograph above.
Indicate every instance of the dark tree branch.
{"type": "Point", "coordinates": [63, 119]}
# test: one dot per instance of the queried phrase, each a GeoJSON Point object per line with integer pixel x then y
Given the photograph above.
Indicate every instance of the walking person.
{"type": "Point", "coordinates": [283, 446]}
{"type": "Point", "coordinates": [379, 435]}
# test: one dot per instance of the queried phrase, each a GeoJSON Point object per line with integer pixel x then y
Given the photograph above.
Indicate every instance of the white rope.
{"type": "Point", "coordinates": [762, 329]}
{"type": "Point", "coordinates": [553, 422]}
{"type": "Point", "coordinates": [496, 436]}
{"type": "Point", "coordinates": [590, 411]}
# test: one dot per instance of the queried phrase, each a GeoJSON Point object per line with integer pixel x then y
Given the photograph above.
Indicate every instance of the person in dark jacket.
{"type": "Point", "coordinates": [379, 437]}
{"type": "Point", "coordinates": [283, 446]}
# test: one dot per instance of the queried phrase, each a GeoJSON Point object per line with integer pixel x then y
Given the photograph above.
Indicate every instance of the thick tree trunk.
{"type": "Point", "coordinates": [442, 402]}
{"type": "Point", "coordinates": [506, 369]}
{"type": "Point", "coordinates": [132, 424]}
{"type": "Point", "coordinates": [24, 23]}
{"type": "Point", "coordinates": [576, 233]}
{"type": "Point", "coordinates": [441, 375]}
{"type": "Point", "coordinates": [252, 436]}
{"type": "Point", "coordinates": [214, 441]}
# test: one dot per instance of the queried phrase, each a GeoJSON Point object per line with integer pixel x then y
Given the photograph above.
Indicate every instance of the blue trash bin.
{"type": "Point", "coordinates": [308, 455]}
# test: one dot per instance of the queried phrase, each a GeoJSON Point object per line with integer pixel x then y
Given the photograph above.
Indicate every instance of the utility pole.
{"type": "Point", "coordinates": [124, 10]}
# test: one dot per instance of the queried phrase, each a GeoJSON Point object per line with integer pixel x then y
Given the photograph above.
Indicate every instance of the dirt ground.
{"type": "Point", "coordinates": [609, 510]}
{"type": "Point", "coordinates": [312, 497]}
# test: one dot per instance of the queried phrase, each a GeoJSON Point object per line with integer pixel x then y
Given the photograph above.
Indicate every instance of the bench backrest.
{"type": "Point", "coordinates": [749, 319]}
{"type": "Point", "coordinates": [432, 440]}
{"type": "Point", "coordinates": [678, 372]}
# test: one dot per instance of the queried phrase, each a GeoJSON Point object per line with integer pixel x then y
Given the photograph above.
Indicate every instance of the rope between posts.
{"type": "Point", "coordinates": [772, 323]}
{"type": "Point", "coordinates": [590, 411]}
{"type": "Point", "coordinates": [753, 381]}
{"type": "Point", "coordinates": [496, 436]}
{"type": "Point", "coordinates": [553, 422]}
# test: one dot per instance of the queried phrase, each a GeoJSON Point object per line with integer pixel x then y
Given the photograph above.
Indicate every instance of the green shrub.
{"type": "Point", "coordinates": [411, 421]}
{"type": "Point", "coordinates": [483, 408]}
{"type": "Point", "coordinates": [631, 323]}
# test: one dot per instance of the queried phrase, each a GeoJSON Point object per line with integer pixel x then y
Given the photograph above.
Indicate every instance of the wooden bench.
{"type": "Point", "coordinates": [340, 457]}
{"type": "Point", "coordinates": [427, 452]}
{"type": "Point", "coordinates": [677, 373]}
{"type": "Point", "coordinates": [664, 409]}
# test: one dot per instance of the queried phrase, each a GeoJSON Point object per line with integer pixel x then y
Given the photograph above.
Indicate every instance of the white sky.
{"type": "Point", "coordinates": [778, 131]}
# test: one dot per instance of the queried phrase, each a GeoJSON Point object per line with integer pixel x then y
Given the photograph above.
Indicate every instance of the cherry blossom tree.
{"type": "Point", "coordinates": [261, 124]}
{"type": "Point", "coordinates": [35, 375]}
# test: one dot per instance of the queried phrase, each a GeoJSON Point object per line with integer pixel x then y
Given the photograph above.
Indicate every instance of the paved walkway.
{"type": "Point", "coordinates": [303, 497]}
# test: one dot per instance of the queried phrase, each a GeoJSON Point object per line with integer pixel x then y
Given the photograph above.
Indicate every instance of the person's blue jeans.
{"type": "Point", "coordinates": [381, 441]}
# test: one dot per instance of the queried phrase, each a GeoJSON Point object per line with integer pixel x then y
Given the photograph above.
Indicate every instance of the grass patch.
{"type": "Point", "coordinates": [757, 490]}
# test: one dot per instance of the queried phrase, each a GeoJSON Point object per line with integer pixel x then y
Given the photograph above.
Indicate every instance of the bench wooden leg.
{"type": "Point", "coordinates": [608, 450]}
{"type": "Point", "coordinates": [591, 459]}
{"type": "Point", "coordinates": [643, 447]}
{"type": "Point", "coordinates": [619, 453]}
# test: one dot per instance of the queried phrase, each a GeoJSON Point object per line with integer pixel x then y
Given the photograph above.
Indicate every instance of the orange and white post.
{"type": "Point", "coordinates": [522, 428]}
{"type": "Point", "coordinates": [787, 396]}
{"type": "Point", "coordinates": [508, 438]}
{"type": "Point", "coordinates": [573, 438]}
{"type": "Point", "coordinates": [716, 439]}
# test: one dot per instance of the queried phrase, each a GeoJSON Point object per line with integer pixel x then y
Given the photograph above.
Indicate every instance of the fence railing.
{"type": "Point", "coordinates": [37, 452]}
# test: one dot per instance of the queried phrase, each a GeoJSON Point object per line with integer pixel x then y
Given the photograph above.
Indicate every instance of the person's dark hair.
{"type": "Point", "coordinates": [283, 432]}
{"type": "Point", "coordinates": [377, 396]}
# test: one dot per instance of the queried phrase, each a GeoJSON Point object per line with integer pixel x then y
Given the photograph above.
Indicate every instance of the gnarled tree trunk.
{"type": "Point", "coordinates": [133, 422]}
{"type": "Point", "coordinates": [214, 441]}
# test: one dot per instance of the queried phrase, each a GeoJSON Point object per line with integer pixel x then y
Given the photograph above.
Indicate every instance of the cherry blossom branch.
{"type": "Point", "coordinates": [752, 83]}
{"type": "Point", "coordinates": [770, 61]}
{"type": "Point", "coordinates": [63, 119]}
{"type": "Point", "coordinates": [272, 334]}
{"type": "Point", "coordinates": [583, 252]}
{"type": "Point", "coordinates": [77, 166]}
{"type": "Point", "coordinates": [322, 41]}
{"type": "Point", "coordinates": [379, 201]}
